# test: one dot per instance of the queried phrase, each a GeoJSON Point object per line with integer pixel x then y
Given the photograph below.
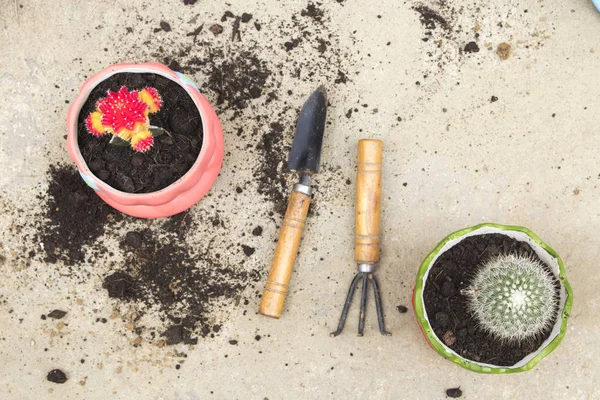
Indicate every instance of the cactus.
{"type": "Point", "coordinates": [125, 114]}
{"type": "Point", "coordinates": [513, 297]}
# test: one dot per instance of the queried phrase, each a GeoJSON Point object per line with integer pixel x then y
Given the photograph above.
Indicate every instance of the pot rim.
{"type": "Point", "coordinates": [546, 348]}
{"type": "Point", "coordinates": [148, 67]}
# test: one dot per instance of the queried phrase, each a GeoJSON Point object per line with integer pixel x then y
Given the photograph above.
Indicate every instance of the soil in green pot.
{"type": "Point", "coordinates": [167, 160]}
{"type": "Point", "coordinates": [447, 308]}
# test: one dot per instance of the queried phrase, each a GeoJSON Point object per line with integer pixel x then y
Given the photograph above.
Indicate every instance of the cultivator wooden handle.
{"type": "Point", "coordinates": [368, 201]}
{"type": "Point", "coordinates": [285, 255]}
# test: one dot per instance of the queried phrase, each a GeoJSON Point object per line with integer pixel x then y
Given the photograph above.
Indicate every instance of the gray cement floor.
{"type": "Point", "coordinates": [530, 158]}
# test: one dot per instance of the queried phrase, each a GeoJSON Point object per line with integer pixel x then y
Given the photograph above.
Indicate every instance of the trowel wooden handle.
{"type": "Point", "coordinates": [368, 201]}
{"type": "Point", "coordinates": [285, 255]}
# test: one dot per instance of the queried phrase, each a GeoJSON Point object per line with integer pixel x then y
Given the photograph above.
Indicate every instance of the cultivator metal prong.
{"type": "Point", "coordinates": [378, 306]}
{"type": "Point", "coordinates": [366, 277]}
{"type": "Point", "coordinates": [344, 315]}
{"type": "Point", "coordinates": [363, 304]}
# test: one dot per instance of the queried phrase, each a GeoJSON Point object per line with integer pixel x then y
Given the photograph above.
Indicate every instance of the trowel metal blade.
{"type": "Point", "coordinates": [305, 154]}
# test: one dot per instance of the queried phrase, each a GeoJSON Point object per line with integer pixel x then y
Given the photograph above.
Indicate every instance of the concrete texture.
{"type": "Point", "coordinates": [453, 158]}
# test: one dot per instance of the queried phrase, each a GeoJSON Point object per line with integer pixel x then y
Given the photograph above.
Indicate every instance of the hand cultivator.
{"type": "Point", "coordinates": [366, 249]}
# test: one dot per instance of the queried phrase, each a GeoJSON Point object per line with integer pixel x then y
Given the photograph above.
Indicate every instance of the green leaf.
{"type": "Point", "coordinates": [157, 131]}
{"type": "Point", "coordinates": [117, 141]}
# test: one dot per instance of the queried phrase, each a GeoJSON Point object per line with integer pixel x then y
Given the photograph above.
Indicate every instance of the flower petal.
{"type": "Point", "coordinates": [142, 141]}
{"type": "Point", "coordinates": [151, 97]}
{"type": "Point", "coordinates": [93, 123]}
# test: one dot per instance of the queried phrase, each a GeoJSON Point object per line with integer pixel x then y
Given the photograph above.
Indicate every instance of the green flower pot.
{"type": "Point", "coordinates": [543, 251]}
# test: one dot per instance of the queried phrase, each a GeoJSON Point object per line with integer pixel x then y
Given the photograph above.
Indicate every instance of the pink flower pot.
{"type": "Point", "coordinates": [181, 194]}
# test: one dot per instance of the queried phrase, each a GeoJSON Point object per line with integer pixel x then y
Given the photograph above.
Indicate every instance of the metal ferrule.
{"type": "Point", "coordinates": [368, 268]}
{"type": "Point", "coordinates": [299, 187]}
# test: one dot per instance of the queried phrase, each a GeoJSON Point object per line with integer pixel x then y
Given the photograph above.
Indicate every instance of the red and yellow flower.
{"type": "Point", "coordinates": [126, 114]}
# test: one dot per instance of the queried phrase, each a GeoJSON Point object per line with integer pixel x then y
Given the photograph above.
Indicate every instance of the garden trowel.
{"type": "Point", "coordinates": [304, 158]}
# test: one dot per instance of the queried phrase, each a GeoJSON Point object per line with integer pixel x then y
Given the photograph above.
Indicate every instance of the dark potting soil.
{"type": "Point", "coordinates": [57, 314]}
{"type": "Point", "coordinates": [56, 376]}
{"type": "Point", "coordinates": [168, 159]}
{"type": "Point", "coordinates": [430, 19]}
{"type": "Point", "coordinates": [160, 269]}
{"type": "Point", "coordinates": [163, 272]}
{"type": "Point", "coordinates": [73, 217]}
{"type": "Point", "coordinates": [454, 393]}
{"type": "Point", "coordinates": [447, 308]}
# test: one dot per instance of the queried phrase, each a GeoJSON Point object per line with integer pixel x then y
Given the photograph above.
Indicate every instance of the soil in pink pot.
{"type": "Point", "coordinates": [169, 158]}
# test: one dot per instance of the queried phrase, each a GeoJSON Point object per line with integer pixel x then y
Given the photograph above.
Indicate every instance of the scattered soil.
{"type": "Point", "coordinates": [160, 271]}
{"type": "Point", "coordinates": [447, 308]}
{"type": "Point", "coordinates": [274, 168]}
{"type": "Point", "coordinates": [431, 19]}
{"type": "Point", "coordinates": [447, 27]}
{"type": "Point", "coordinates": [227, 14]}
{"type": "Point", "coordinates": [341, 78]}
{"type": "Point", "coordinates": [168, 159]}
{"type": "Point", "coordinates": [73, 217]}
{"type": "Point", "coordinates": [165, 26]}
{"type": "Point", "coordinates": [216, 29]}
{"type": "Point", "coordinates": [248, 250]}
{"type": "Point", "coordinates": [57, 314]}
{"type": "Point", "coordinates": [454, 393]}
{"type": "Point", "coordinates": [313, 11]}
{"type": "Point", "coordinates": [180, 224]}
{"type": "Point", "coordinates": [239, 80]}
{"type": "Point", "coordinates": [236, 33]}
{"type": "Point", "coordinates": [195, 32]}
{"type": "Point", "coordinates": [56, 376]}
{"type": "Point", "coordinates": [503, 50]}
{"type": "Point", "coordinates": [120, 285]}
{"type": "Point", "coordinates": [442, 34]}
{"type": "Point", "coordinates": [402, 309]}
{"type": "Point", "coordinates": [292, 44]}
{"type": "Point", "coordinates": [471, 47]}
{"type": "Point", "coordinates": [453, 31]}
